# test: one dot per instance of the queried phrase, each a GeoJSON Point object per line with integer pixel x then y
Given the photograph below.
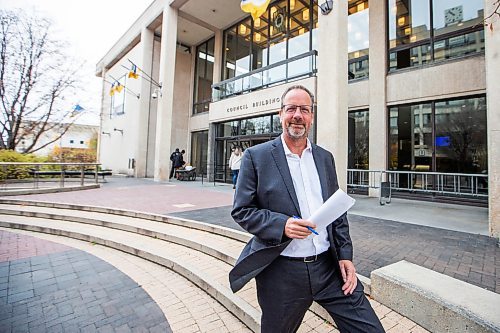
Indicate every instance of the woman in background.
{"type": "Point", "coordinates": [234, 163]}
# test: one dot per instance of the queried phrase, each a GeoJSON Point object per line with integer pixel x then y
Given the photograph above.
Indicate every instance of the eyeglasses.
{"type": "Point", "coordinates": [291, 108]}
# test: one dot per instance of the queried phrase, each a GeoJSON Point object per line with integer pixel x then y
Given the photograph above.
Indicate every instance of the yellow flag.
{"type": "Point", "coordinates": [255, 7]}
{"type": "Point", "coordinates": [112, 90]}
{"type": "Point", "coordinates": [119, 88]}
{"type": "Point", "coordinates": [133, 73]}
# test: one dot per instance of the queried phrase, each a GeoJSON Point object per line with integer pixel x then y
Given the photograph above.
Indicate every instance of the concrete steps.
{"type": "Point", "coordinates": [203, 257]}
{"type": "Point", "coordinates": [201, 252]}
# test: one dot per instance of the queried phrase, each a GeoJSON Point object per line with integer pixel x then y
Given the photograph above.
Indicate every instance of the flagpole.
{"type": "Point", "coordinates": [147, 75]}
{"type": "Point", "coordinates": [124, 86]}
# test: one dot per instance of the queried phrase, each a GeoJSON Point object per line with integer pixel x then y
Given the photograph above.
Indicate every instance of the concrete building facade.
{"type": "Point", "coordinates": [401, 87]}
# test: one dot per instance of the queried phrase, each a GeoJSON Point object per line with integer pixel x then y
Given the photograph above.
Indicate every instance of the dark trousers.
{"type": "Point", "coordinates": [172, 170]}
{"type": "Point", "coordinates": [286, 289]}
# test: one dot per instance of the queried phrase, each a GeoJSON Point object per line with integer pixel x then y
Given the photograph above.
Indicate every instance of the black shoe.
{"type": "Point", "coordinates": [234, 186]}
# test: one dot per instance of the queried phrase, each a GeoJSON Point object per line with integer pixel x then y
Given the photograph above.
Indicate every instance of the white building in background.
{"type": "Point", "coordinates": [77, 136]}
{"type": "Point", "coordinates": [401, 85]}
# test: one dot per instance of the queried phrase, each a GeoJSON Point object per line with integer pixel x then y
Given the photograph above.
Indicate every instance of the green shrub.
{"type": "Point", "coordinates": [19, 171]}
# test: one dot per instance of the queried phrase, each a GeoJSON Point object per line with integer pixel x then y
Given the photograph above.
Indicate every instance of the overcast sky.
{"type": "Point", "coordinates": [91, 27]}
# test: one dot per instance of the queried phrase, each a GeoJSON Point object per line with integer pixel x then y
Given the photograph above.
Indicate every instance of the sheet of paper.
{"type": "Point", "coordinates": [331, 209]}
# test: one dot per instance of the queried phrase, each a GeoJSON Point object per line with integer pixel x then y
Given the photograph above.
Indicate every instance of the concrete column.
{"type": "Point", "coordinates": [147, 39]}
{"type": "Point", "coordinates": [492, 55]}
{"type": "Point", "coordinates": [378, 93]}
{"type": "Point", "coordinates": [101, 115]}
{"type": "Point", "coordinates": [168, 51]}
{"type": "Point", "coordinates": [217, 75]}
{"type": "Point", "coordinates": [211, 152]}
{"type": "Point", "coordinates": [332, 86]}
{"type": "Point", "coordinates": [218, 55]}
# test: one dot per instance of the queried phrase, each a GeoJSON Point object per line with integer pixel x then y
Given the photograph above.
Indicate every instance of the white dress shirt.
{"type": "Point", "coordinates": [308, 190]}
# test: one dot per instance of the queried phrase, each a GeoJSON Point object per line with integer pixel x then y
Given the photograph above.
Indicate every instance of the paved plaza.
{"type": "Point", "coordinates": [33, 278]}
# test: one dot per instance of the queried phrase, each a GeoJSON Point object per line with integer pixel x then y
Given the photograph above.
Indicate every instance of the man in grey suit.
{"type": "Point", "coordinates": [280, 184]}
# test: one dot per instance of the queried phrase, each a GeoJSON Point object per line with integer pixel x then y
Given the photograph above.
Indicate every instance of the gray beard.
{"type": "Point", "coordinates": [296, 135]}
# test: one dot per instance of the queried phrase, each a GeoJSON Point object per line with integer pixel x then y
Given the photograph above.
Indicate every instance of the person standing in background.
{"type": "Point", "coordinates": [234, 164]}
{"type": "Point", "coordinates": [173, 157]}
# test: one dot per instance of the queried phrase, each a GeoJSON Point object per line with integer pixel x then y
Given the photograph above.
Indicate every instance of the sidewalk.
{"type": "Point", "coordinates": [450, 239]}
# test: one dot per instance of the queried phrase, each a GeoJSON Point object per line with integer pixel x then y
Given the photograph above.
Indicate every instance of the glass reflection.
{"type": "Point", "coordinates": [461, 136]}
{"type": "Point", "coordinates": [358, 140]}
{"type": "Point", "coordinates": [358, 38]}
{"type": "Point", "coordinates": [458, 144]}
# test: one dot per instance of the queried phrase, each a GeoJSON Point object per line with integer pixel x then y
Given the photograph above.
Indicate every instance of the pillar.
{"type": "Point", "coordinates": [378, 92]}
{"type": "Point", "coordinates": [147, 40]}
{"type": "Point", "coordinates": [492, 60]}
{"type": "Point", "coordinates": [163, 146]}
{"type": "Point", "coordinates": [332, 94]}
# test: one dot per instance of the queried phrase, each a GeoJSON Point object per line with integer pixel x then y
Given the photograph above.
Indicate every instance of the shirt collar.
{"type": "Point", "coordinates": [288, 151]}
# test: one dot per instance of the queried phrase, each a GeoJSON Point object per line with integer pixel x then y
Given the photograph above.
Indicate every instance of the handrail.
{"type": "Point", "coordinates": [262, 69]}
{"type": "Point", "coordinates": [58, 173]}
{"type": "Point", "coordinates": [219, 91]}
{"type": "Point", "coordinates": [448, 184]}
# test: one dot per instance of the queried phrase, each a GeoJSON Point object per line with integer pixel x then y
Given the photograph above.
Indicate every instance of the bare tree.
{"type": "Point", "coordinates": [493, 16]}
{"type": "Point", "coordinates": [36, 82]}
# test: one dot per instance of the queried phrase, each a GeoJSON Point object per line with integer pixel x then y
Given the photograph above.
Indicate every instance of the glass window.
{"type": "Point", "coordinates": [118, 97]}
{"type": "Point", "coordinates": [409, 149]}
{"type": "Point", "coordinates": [203, 76]}
{"type": "Point", "coordinates": [259, 125]}
{"type": "Point", "coordinates": [199, 150]}
{"type": "Point", "coordinates": [227, 129]}
{"type": "Point", "coordinates": [276, 124]}
{"type": "Point", "coordinates": [282, 32]}
{"type": "Point", "coordinates": [456, 30]}
{"type": "Point", "coordinates": [358, 140]}
{"type": "Point", "coordinates": [358, 39]}
{"type": "Point", "coordinates": [458, 143]}
{"type": "Point", "coordinates": [461, 136]}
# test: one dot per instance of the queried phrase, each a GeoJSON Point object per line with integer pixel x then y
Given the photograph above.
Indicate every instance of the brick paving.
{"type": "Point", "coordinates": [468, 257]}
{"type": "Point", "coordinates": [59, 288]}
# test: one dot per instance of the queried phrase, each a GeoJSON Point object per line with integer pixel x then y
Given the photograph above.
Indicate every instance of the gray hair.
{"type": "Point", "coordinates": [299, 87]}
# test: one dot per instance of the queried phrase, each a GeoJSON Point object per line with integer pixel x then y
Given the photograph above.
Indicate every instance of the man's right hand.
{"type": "Point", "coordinates": [297, 228]}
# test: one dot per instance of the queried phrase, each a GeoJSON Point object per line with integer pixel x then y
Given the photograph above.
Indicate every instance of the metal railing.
{"type": "Point", "coordinates": [17, 175]}
{"type": "Point", "coordinates": [447, 184]}
{"type": "Point", "coordinates": [300, 66]}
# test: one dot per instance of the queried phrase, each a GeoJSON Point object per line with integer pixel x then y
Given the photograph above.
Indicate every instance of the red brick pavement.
{"type": "Point", "coordinates": [15, 246]}
{"type": "Point", "coordinates": [157, 198]}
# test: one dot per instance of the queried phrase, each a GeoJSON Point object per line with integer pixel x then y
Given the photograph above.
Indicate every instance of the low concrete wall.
{"type": "Point", "coordinates": [436, 301]}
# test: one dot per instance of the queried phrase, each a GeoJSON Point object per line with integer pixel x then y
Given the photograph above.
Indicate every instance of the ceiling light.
{"type": "Point", "coordinates": [256, 23]}
{"type": "Point", "coordinates": [301, 31]}
{"type": "Point", "coordinates": [292, 4]}
{"type": "Point", "coordinates": [243, 29]}
{"type": "Point", "coordinates": [401, 21]}
{"type": "Point", "coordinates": [305, 15]}
{"type": "Point", "coordinates": [361, 7]}
{"type": "Point", "coordinates": [257, 37]}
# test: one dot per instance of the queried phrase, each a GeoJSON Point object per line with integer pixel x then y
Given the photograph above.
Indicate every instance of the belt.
{"type": "Point", "coordinates": [308, 259]}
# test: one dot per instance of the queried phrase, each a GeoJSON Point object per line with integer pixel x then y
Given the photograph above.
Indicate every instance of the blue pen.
{"type": "Point", "coordinates": [309, 228]}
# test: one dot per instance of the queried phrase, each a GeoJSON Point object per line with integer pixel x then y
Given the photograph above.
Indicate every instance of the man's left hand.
{"type": "Point", "coordinates": [349, 276]}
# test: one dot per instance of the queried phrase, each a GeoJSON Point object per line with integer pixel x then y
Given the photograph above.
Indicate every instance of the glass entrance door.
{"type": "Point", "coordinates": [223, 153]}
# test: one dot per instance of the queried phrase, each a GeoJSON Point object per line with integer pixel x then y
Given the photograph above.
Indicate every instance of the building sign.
{"type": "Point", "coordinates": [252, 104]}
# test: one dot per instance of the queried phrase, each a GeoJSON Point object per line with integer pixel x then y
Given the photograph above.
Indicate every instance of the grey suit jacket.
{"type": "Point", "coordinates": [265, 198]}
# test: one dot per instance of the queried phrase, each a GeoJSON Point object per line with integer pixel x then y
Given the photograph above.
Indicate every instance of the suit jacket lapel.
{"type": "Point", "coordinates": [280, 160]}
{"type": "Point", "coordinates": [323, 177]}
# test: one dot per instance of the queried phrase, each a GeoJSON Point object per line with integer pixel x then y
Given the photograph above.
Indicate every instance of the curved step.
{"type": "Point", "coordinates": [243, 305]}
{"type": "Point", "coordinates": [215, 247]}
